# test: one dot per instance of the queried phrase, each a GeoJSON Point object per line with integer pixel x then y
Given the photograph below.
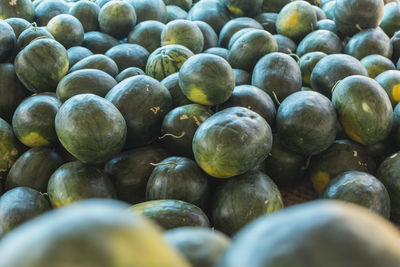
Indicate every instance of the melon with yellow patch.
{"type": "Point", "coordinates": [390, 81]}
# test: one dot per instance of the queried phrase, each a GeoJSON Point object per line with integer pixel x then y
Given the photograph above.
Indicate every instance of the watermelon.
{"type": "Point", "coordinates": [364, 109]}
{"type": "Point", "coordinates": [178, 178]}
{"type": "Point", "coordinates": [318, 11]}
{"type": "Point", "coordinates": [167, 60]}
{"type": "Point", "coordinates": [48, 9]}
{"type": "Point", "coordinates": [307, 65]}
{"type": "Point", "coordinates": [327, 24]}
{"type": "Point", "coordinates": [175, 12]}
{"type": "Point", "coordinates": [383, 149]}
{"type": "Point", "coordinates": [76, 53]}
{"type": "Point", "coordinates": [395, 42]}
{"type": "Point", "coordinates": [84, 82]}
{"type": "Point", "coordinates": [206, 79]}
{"type": "Point", "coordinates": [396, 125]}
{"type": "Point", "coordinates": [20, 9]}
{"type": "Point", "coordinates": [74, 181]}
{"type": "Point", "coordinates": [218, 51]}
{"type": "Point", "coordinates": [390, 19]}
{"type": "Point", "coordinates": [285, 44]}
{"type": "Point", "coordinates": [241, 8]}
{"type": "Point", "coordinates": [143, 101]}
{"type": "Point", "coordinates": [7, 41]}
{"type": "Point", "coordinates": [170, 213]}
{"type": "Point", "coordinates": [212, 12]}
{"type": "Point", "coordinates": [128, 55]}
{"type": "Point", "coordinates": [150, 10]}
{"type": "Point", "coordinates": [66, 29]}
{"type": "Point", "coordinates": [33, 169]}
{"type": "Point", "coordinates": [41, 65]}
{"type": "Point", "coordinates": [33, 120]}
{"type": "Point", "coordinates": [87, 12]}
{"type": "Point", "coordinates": [147, 34]}
{"type": "Point", "coordinates": [18, 25]}
{"type": "Point", "coordinates": [242, 77]}
{"type": "Point", "coordinates": [9, 149]}
{"type": "Point", "coordinates": [129, 72]}
{"type": "Point", "coordinates": [274, 5]}
{"type": "Point", "coordinates": [235, 25]}
{"type": "Point", "coordinates": [19, 205]}
{"type": "Point", "coordinates": [243, 199]}
{"type": "Point", "coordinates": [179, 126]}
{"type": "Point", "coordinates": [321, 41]}
{"type": "Point", "coordinates": [130, 171]}
{"type": "Point", "coordinates": [90, 128]}
{"type": "Point", "coordinates": [184, 4]}
{"type": "Point", "coordinates": [360, 188]}
{"type": "Point", "coordinates": [30, 34]}
{"type": "Point", "coordinates": [98, 42]}
{"type": "Point", "coordinates": [238, 35]}
{"type": "Point", "coordinates": [209, 35]}
{"type": "Point", "coordinates": [99, 228]}
{"type": "Point", "coordinates": [390, 81]}
{"type": "Point", "coordinates": [217, 140]}
{"type": "Point", "coordinates": [171, 82]}
{"type": "Point", "coordinates": [97, 61]}
{"type": "Point", "coordinates": [267, 20]}
{"type": "Point", "coordinates": [376, 64]}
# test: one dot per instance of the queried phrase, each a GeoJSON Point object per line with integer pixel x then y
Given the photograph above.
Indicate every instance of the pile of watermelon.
{"type": "Point", "coordinates": [169, 133]}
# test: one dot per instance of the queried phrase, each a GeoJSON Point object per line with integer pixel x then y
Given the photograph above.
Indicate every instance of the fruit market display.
{"type": "Point", "coordinates": [205, 133]}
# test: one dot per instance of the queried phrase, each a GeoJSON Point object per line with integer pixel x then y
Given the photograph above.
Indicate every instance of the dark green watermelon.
{"type": "Point", "coordinates": [19, 9]}
{"type": "Point", "coordinates": [33, 120]}
{"type": "Point", "coordinates": [87, 12]}
{"type": "Point", "coordinates": [383, 149]}
{"type": "Point", "coordinates": [171, 213]}
{"type": "Point", "coordinates": [128, 55]}
{"type": "Point", "coordinates": [318, 11]}
{"type": "Point", "coordinates": [321, 41]}
{"type": "Point", "coordinates": [184, 4]}
{"type": "Point", "coordinates": [99, 62]}
{"type": "Point", "coordinates": [129, 72]}
{"type": "Point", "coordinates": [238, 35]}
{"type": "Point", "coordinates": [210, 37]}
{"type": "Point", "coordinates": [90, 128]}
{"type": "Point", "coordinates": [147, 34]}
{"type": "Point", "coordinates": [41, 65]}
{"type": "Point", "coordinates": [218, 140]}
{"type": "Point", "coordinates": [30, 34]}
{"type": "Point", "coordinates": [175, 12]}
{"type": "Point", "coordinates": [376, 64]}
{"type": "Point", "coordinates": [76, 53]}
{"type": "Point", "coordinates": [98, 42]}
{"type": "Point", "coordinates": [395, 42]}
{"type": "Point", "coordinates": [33, 169]}
{"type": "Point", "coordinates": [267, 20]}
{"type": "Point", "coordinates": [274, 5]}
{"type": "Point", "coordinates": [390, 22]}
{"type": "Point", "coordinates": [242, 77]}
{"type": "Point", "coordinates": [307, 64]}
{"type": "Point", "coordinates": [18, 24]}
{"type": "Point", "coordinates": [9, 149]}
{"type": "Point", "coordinates": [218, 51]}
{"type": "Point", "coordinates": [143, 101]}
{"type": "Point", "coordinates": [212, 12]}
{"type": "Point", "coordinates": [19, 205]}
{"type": "Point", "coordinates": [243, 199]}
{"type": "Point", "coordinates": [83, 82]}
{"type": "Point", "coordinates": [243, 8]}
{"type": "Point", "coordinates": [235, 25]}
{"type": "Point", "coordinates": [150, 10]}
{"type": "Point", "coordinates": [396, 125]}
{"type": "Point", "coordinates": [66, 29]}
{"type": "Point", "coordinates": [285, 44]}
{"type": "Point", "coordinates": [327, 24]}
{"type": "Point", "coordinates": [390, 81]}
{"type": "Point", "coordinates": [171, 82]}
{"type": "Point", "coordinates": [8, 41]}
{"type": "Point", "coordinates": [359, 188]}
{"type": "Point", "coordinates": [48, 9]}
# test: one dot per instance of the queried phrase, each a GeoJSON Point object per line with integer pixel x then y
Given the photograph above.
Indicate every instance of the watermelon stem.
{"type": "Point", "coordinates": [305, 167]}
{"type": "Point", "coordinates": [276, 98]}
{"type": "Point", "coordinates": [164, 163]}
{"type": "Point", "coordinates": [296, 57]}
{"type": "Point", "coordinates": [334, 87]}
{"type": "Point", "coordinates": [34, 26]}
{"type": "Point", "coordinates": [172, 135]}
{"type": "Point", "coordinates": [359, 27]}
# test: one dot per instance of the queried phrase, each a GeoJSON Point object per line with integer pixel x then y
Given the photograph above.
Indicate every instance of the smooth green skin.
{"type": "Point", "coordinates": [130, 171]}
{"type": "Point", "coordinates": [98, 42]}
{"type": "Point", "coordinates": [90, 128]}
{"type": "Point", "coordinates": [167, 60]}
{"type": "Point", "coordinates": [117, 18]}
{"type": "Point", "coordinates": [76, 53]}
{"type": "Point", "coordinates": [218, 51]}
{"type": "Point", "coordinates": [33, 120]}
{"type": "Point", "coordinates": [184, 4]}
{"type": "Point", "coordinates": [11, 91]}
{"type": "Point", "coordinates": [171, 213]}
{"type": "Point", "coordinates": [376, 64]}
{"type": "Point", "coordinates": [9, 150]}
{"type": "Point", "coordinates": [84, 82]}
{"type": "Point", "coordinates": [396, 125]}
{"type": "Point", "coordinates": [18, 25]}
{"type": "Point", "coordinates": [22, 9]}
{"type": "Point", "coordinates": [242, 77]}
{"type": "Point", "coordinates": [359, 188]}
{"type": "Point", "coordinates": [243, 8]}
{"type": "Point", "coordinates": [92, 233]}
{"type": "Point", "coordinates": [277, 73]}
{"type": "Point", "coordinates": [364, 109]}
{"type": "Point", "coordinates": [46, 10]}
{"type": "Point", "coordinates": [33, 169]}
{"type": "Point", "coordinates": [248, 49]}
{"type": "Point", "coordinates": [254, 99]}
{"type": "Point", "coordinates": [143, 101]}
{"type": "Point", "coordinates": [327, 24]}
{"type": "Point", "coordinates": [183, 32]}
{"type": "Point", "coordinates": [395, 41]}
{"type": "Point", "coordinates": [179, 178]}
{"type": "Point", "coordinates": [31, 33]}
{"type": "Point", "coordinates": [147, 34]}
{"type": "Point", "coordinates": [128, 55]}
{"type": "Point", "coordinates": [129, 72]}
{"type": "Point", "coordinates": [41, 65]}
{"type": "Point", "coordinates": [175, 12]}
{"type": "Point", "coordinates": [388, 174]}
{"type": "Point", "coordinates": [333, 68]}
{"type": "Point", "coordinates": [8, 41]}
{"type": "Point", "coordinates": [206, 79]}
{"type": "Point", "coordinates": [150, 10]}
{"type": "Point", "coordinates": [218, 140]}
{"type": "Point", "coordinates": [388, 80]}
{"type": "Point", "coordinates": [329, 230]}
{"type": "Point", "coordinates": [282, 165]}
{"type": "Point", "coordinates": [267, 20]}
{"type": "Point", "coordinates": [235, 25]}
{"type": "Point", "coordinates": [383, 149]}
{"type": "Point", "coordinates": [19, 205]}
{"type": "Point", "coordinates": [274, 5]}
{"type": "Point", "coordinates": [318, 11]}
{"type": "Point", "coordinates": [321, 41]}
{"type": "Point", "coordinates": [87, 12]}
{"type": "Point", "coordinates": [202, 247]}
{"type": "Point", "coordinates": [367, 42]}
{"type": "Point", "coordinates": [210, 36]}
{"type": "Point", "coordinates": [243, 199]}
{"type": "Point", "coordinates": [307, 64]}
{"type": "Point", "coordinates": [340, 157]}
{"type": "Point", "coordinates": [239, 34]}
{"type": "Point", "coordinates": [171, 82]}
{"type": "Point", "coordinates": [66, 29]}
{"type": "Point", "coordinates": [351, 15]}
{"type": "Point", "coordinates": [74, 181]}
{"type": "Point", "coordinates": [285, 44]}
{"type": "Point", "coordinates": [306, 122]}
{"type": "Point", "coordinates": [391, 18]}
{"type": "Point", "coordinates": [212, 12]}
{"type": "Point", "coordinates": [296, 20]}
{"type": "Point", "coordinates": [182, 122]}
{"type": "Point", "coordinates": [99, 62]}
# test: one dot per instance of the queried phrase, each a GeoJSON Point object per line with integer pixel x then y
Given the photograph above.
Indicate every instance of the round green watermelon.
{"type": "Point", "coordinates": [8, 41]}
{"type": "Point", "coordinates": [87, 12]}
{"type": "Point", "coordinates": [66, 29]}
{"type": "Point", "coordinates": [9, 149]}
{"type": "Point", "coordinates": [17, 9]}
{"type": "Point", "coordinates": [147, 34]}
{"type": "Point", "coordinates": [390, 81]}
